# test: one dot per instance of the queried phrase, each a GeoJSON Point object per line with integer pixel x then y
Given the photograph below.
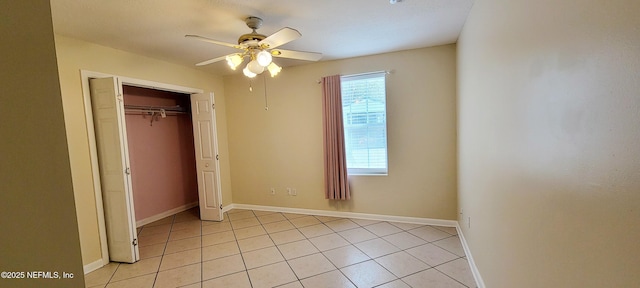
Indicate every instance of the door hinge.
{"type": "Point", "coordinates": [135, 242]}
{"type": "Point", "coordinates": [127, 171]}
{"type": "Point", "coordinates": [119, 97]}
{"type": "Point", "coordinates": [220, 206]}
{"type": "Point", "coordinates": [213, 106]}
{"type": "Point", "coordinates": [217, 158]}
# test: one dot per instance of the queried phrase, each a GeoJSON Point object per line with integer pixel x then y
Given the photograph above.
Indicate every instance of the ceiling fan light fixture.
{"type": "Point", "coordinates": [234, 60]}
{"type": "Point", "coordinates": [255, 67]}
{"type": "Point", "coordinates": [260, 49]}
{"type": "Point", "coordinates": [274, 69]}
{"type": "Point", "coordinates": [264, 58]}
{"type": "Point", "coordinates": [248, 73]}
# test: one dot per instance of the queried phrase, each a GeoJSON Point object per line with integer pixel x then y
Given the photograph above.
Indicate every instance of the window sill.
{"type": "Point", "coordinates": [367, 174]}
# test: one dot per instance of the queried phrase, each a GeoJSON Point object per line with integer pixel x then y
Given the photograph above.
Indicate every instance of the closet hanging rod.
{"type": "Point", "coordinates": [156, 108]}
{"type": "Point", "coordinates": [151, 112]}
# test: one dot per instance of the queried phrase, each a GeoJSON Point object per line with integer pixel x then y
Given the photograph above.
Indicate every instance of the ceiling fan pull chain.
{"type": "Point", "coordinates": [266, 99]}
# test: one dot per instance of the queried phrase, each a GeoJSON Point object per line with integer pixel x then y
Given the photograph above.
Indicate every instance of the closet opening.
{"type": "Point", "coordinates": [161, 152]}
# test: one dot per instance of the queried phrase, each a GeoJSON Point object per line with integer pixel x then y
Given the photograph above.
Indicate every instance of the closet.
{"type": "Point", "coordinates": [161, 150]}
{"type": "Point", "coordinates": [152, 142]}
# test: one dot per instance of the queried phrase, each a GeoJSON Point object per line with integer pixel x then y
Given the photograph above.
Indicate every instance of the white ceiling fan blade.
{"type": "Point", "coordinates": [283, 36]}
{"type": "Point", "coordinates": [299, 55]}
{"type": "Point", "coordinates": [214, 60]}
{"type": "Point", "coordinates": [205, 39]}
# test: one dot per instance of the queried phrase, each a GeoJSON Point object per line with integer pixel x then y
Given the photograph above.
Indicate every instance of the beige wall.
{"type": "Point", "coordinates": [282, 147]}
{"type": "Point", "coordinates": [39, 231]}
{"type": "Point", "coordinates": [74, 55]}
{"type": "Point", "coordinates": [549, 142]}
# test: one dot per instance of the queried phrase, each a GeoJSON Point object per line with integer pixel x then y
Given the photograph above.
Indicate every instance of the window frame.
{"type": "Point", "coordinates": [367, 171]}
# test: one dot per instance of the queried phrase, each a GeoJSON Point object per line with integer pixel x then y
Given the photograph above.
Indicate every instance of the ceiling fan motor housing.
{"type": "Point", "coordinates": [254, 37]}
{"type": "Point", "coordinates": [253, 23]}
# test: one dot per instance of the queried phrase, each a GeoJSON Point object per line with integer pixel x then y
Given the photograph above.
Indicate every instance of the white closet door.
{"type": "Point", "coordinates": [207, 165]}
{"type": "Point", "coordinates": [115, 178]}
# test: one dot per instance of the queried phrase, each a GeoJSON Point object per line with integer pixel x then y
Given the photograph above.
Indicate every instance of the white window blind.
{"type": "Point", "coordinates": [364, 110]}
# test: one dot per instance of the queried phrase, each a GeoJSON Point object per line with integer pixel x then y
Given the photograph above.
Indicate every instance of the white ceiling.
{"type": "Point", "coordinates": [337, 29]}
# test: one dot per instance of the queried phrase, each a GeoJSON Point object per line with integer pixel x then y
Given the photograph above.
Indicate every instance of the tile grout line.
{"type": "Point", "coordinates": [201, 256]}
{"type": "Point", "coordinates": [321, 252]}
{"type": "Point", "coordinates": [340, 269]}
{"type": "Point", "coordinates": [314, 245]}
{"type": "Point", "coordinates": [246, 271]}
{"type": "Point", "coordinates": [436, 268]}
{"type": "Point", "coordinates": [162, 255]}
{"type": "Point", "coordinates": [452, 252]}
{"type": "Point", "coordinates": [400, 249]}
{"type": "Point", "coordinates": [280, 251]}
{"type": "Point", "coordinates": [370, 258]}
{"type": "Point", "coordinates": [114, 273]}
{"type": "Point", "coordinates": [164, 249]}
{"type": "Point", "coordinates": [298, 228]}
{"type": "Point", "coordinates": [430, 266]}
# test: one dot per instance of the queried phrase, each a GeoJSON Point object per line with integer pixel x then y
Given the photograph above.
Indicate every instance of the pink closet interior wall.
{"type": "Point", "coordinates": [163, 165]}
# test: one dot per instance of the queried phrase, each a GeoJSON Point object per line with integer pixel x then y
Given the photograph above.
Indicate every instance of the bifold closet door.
{"type": "Point", "coordinates": [115, 179]}
{"type": "Point", "coordinates": [207, 165]}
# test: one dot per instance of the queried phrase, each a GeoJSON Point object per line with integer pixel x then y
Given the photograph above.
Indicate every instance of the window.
{"type": "Point", "coordinates": [364, 111]}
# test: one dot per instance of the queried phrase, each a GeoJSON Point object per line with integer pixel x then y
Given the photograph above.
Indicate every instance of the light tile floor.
{"type": "Point", "coordinates": [267, 249]}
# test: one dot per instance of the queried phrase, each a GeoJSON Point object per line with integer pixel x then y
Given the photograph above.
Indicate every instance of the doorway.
{"type": "Point", "coordinates": [161, 152]}
{"type": "Point", "coordinates": [111, 167]}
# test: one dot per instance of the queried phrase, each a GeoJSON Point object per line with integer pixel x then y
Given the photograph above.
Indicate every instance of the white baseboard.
{"type": "Point", "coordinates": [95, 265]}
{"type": "Point", "coordinates": [164, 214]}
{"type": "Point", "coordinates": [472, 263]}
{"type": "Point", "coordinates": [378, 217]}
{"type": "Point", "coordinates": [227, 208]}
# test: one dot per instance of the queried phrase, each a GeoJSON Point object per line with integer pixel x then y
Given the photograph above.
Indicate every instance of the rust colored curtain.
{"type": "Point", "coordinates": [335, 161]}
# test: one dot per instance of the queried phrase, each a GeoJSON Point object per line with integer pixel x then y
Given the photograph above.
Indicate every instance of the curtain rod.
{"type": "Point", "coordinates": [386, 72]}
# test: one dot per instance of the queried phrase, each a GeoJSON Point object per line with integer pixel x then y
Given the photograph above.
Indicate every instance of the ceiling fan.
{"type": "Point", "coordinates": [259, 49]}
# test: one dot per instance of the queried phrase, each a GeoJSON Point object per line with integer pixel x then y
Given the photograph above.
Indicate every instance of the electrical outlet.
{"type": "Point", "coordinates": [273, 191]}
{"type": "Point", "coordinates": [288, 190]}
{"type": "Point", "coordinates": [294, 192]}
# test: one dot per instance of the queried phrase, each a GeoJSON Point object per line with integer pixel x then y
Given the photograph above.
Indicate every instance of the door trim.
{"type": "Point", "coordinates": [85, 75]}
